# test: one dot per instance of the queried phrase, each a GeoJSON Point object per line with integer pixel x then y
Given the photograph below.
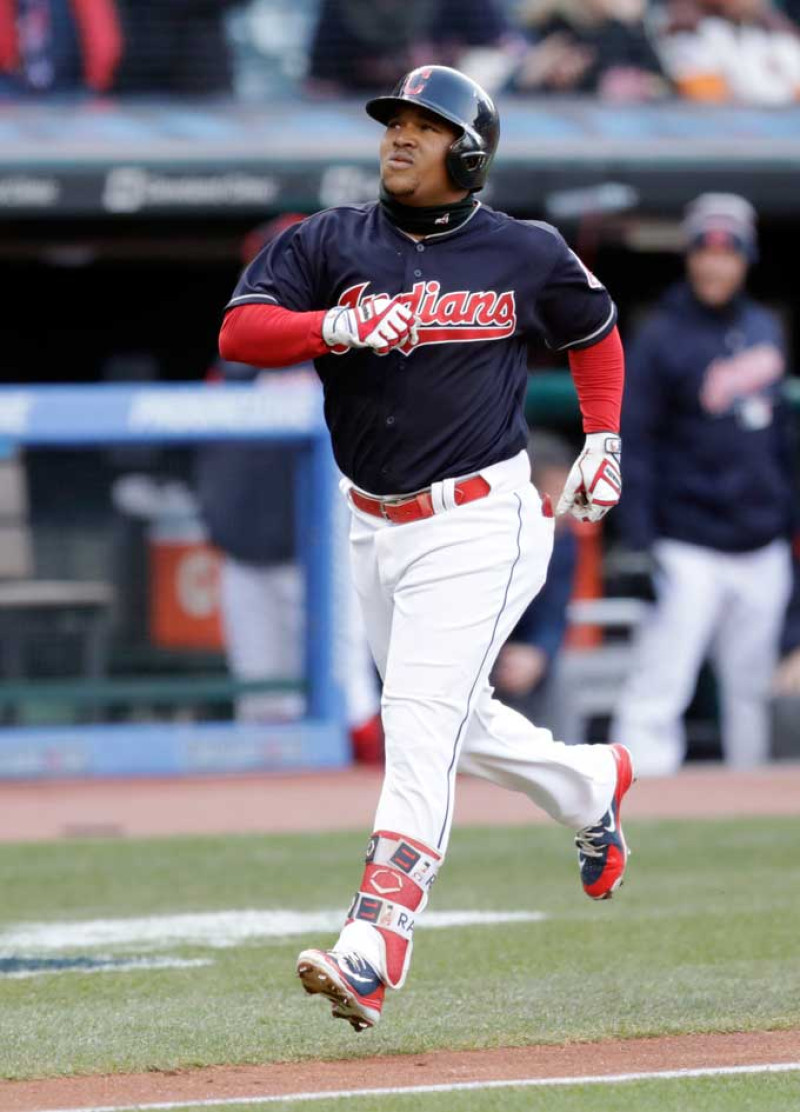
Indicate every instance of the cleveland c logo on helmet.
{"type": "Point", "coordinates": [463, 103]}
{"type": "Point", "coordinates": [414, 82]}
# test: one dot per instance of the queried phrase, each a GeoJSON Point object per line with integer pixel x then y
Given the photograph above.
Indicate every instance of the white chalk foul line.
{"type": "Point", "coordinates": [453, 1087]}
{"type": "Point", "coordinates": [216, 929]}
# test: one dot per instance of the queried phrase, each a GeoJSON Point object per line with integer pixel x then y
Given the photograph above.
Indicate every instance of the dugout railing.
{"type": "Point", "coordinates": [288, 411]}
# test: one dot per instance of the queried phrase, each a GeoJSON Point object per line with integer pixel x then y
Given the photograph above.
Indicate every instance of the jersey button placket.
{"type": "Point", "coordinates": [415, 275]}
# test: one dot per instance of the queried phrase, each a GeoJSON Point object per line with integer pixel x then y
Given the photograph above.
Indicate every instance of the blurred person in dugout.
{"type": "Point", "coordinates": [371, 44]}
{"type": "Point", "coordinates": [730, 51]}
{"type": "Point", "coordinates": [54, 46]}
{"type": "Point", "coordinates": [596, 47]}
{"type": "Point", "coordinates": [787, 677]}
{"type": "Point", "coordinates": [785, 718]}
{"type": "Point", "coordinates": [524, 666]}
{"type": "Point", "coordinates": [709, 492]}
{"type": "Point", "coordinates": [246, 496]}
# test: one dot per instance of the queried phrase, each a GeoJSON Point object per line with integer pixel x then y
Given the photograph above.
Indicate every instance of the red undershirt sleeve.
{"type": "Point", "coordinates": [599, 376]}
{"type": "Point", "coordinates": [271, 336]}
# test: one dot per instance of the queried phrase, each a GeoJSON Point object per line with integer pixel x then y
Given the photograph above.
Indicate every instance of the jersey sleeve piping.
{"type": "Point", "coordinates": [247, 298]}
{"type": "Point", "coordinates": [593, 337]}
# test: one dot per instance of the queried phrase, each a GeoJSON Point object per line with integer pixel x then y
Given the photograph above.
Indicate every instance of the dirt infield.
{"type": "Point", "coordinates": [346, 800]}
{"type": "Point", "coordinates": [511, 1064]}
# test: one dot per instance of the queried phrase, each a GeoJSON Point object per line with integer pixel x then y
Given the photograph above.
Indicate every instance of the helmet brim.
{"type": "Point", "coordinates": [383, 108]}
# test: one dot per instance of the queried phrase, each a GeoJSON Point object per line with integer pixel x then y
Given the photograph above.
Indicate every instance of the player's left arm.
{"type": "Point", "coordinates": [594, 484]}
{"type": "Point", "coordinates": [580, 318]}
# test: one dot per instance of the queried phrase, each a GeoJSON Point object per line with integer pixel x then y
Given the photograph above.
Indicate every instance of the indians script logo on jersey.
{"type": "Point", "coordinates": [449, 318]}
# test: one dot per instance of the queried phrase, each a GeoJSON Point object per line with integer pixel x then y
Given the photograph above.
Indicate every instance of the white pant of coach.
{"type": "Point", "coordinates": [726, 606]}
{"type": "Point", "coordinates": [440, 596]}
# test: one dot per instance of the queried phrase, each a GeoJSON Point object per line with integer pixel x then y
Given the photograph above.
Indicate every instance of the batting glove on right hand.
{"type": "Point", "coordinates": [381, 324]}
{"type": "Point", "coordinates": [594, 484]}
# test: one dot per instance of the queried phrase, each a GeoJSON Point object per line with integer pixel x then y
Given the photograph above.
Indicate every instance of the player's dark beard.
{"type": "Point", "coordinates": [428, 220]}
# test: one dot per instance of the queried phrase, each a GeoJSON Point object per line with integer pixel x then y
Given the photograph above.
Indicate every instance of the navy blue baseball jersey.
{"type": "Point", "coordinates": [452, 403]}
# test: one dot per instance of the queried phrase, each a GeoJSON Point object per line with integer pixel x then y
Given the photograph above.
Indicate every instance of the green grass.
{"type": "Point", "coordinates": [779, 1093]}
{"type": "Point", "coordinates": [704, 937]}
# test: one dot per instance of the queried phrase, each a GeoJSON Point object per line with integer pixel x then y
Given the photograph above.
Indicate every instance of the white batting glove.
{"type": "Point", "coordinates": [594, 484]}
{"type": "Point", "coordinates": [381, 324]}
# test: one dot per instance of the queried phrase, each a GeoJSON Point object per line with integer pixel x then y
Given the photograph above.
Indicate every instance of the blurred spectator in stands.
{"type": "Point", "coordinates": [370, 44]}
{"type": "Point", "coordinates": [176, 46]}
{"type": "Point", "coordinates": [52, 46]}
{"type": "Point", "coordinates": [709, 492]}
{"type": "Point", "coordinates": [600, 47]}
{"type": "Point", "coordinates": [524, 665]}
{"type": "Point", "coordinates": [247, 500]}
{"type": "Point", "coordinates": [742, 51]}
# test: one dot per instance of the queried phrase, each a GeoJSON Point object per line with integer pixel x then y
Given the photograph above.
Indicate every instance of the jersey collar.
{"type": "Point", "coordinates": [433, 235]}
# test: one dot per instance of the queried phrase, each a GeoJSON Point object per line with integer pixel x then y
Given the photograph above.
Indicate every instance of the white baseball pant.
{"type": "Point", "coordinates": [729, 606]}
{"type": "Point", "coordinates": [440, 596]}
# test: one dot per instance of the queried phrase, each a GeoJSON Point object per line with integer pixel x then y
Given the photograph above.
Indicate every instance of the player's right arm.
{"type": "Point", "coordinates": [272, 320]}
{"type": "Point", "coordinates": [272, 336]}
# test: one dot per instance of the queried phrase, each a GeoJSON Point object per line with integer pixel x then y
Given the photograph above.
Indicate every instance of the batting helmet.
{"type": "Point", "coordinates": [461, 101]}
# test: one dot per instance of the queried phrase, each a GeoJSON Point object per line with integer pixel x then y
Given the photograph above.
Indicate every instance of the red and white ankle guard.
{"type": "Point", "coordinates": [399, 875]}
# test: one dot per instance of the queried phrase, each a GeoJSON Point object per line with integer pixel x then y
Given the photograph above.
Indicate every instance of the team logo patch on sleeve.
{"type": "Point", "coordinates": [405, 857]}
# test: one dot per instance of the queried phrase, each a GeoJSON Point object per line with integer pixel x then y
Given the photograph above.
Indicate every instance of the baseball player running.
{"type": "Point", "coordinates": [417, 310]}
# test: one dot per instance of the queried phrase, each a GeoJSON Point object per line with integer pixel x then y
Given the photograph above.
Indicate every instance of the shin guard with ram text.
{"type": "Point", "coordinates": [398, 876]}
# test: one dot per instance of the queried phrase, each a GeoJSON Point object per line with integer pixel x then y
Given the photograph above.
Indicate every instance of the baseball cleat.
{"type": "Point", "coordinates": [602, 851]}
{"type": "Point", "coordinates": [348, 981]}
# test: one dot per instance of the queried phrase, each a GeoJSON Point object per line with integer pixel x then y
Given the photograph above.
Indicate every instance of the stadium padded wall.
{"type": "Point", "coordinates": [288, 410]}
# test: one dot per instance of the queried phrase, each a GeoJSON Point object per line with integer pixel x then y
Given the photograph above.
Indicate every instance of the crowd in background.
{"type": "Point", "coordinates": [719, 51]}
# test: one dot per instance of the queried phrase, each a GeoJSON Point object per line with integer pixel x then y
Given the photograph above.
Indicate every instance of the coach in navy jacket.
{"type": "Point", "coordinates": [709, 491]}
{"type": "Point", "coordinates": [706, 461]}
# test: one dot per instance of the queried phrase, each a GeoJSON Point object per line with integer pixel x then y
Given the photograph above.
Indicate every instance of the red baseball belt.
{"type": "Point", "coordinates": [415, 507]}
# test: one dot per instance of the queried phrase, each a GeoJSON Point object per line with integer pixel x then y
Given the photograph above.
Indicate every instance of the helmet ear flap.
{"type": "Point", "coordinates": [467, 166]}
{"type": "Point", "coordinates": [474, 163]}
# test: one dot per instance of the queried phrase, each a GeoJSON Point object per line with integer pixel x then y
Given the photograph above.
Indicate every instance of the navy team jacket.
{"type": "Point", "coordinates": [719, 473]}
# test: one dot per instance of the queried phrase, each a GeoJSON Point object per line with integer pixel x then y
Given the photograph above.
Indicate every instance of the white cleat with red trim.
{"type": "Point", "coordinates": [348, 981]}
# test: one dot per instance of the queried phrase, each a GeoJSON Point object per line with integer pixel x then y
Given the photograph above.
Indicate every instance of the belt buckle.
{"type": "Point", "coordinates": [385, 502]}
